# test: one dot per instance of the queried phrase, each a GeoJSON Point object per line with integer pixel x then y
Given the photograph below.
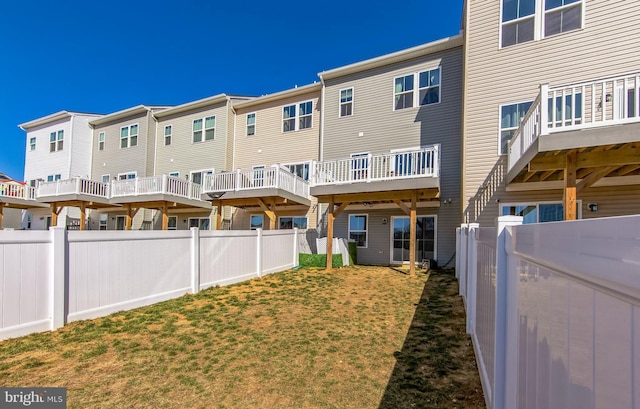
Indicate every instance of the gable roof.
{"type": "Point", "coordinates": [201, 103]}
{"type": "Point", "coordinates": [58, 116]}
{"type": "Point", "coordinates": [305, 89]}
{"type": "Point", "coordinates": [125, 113]}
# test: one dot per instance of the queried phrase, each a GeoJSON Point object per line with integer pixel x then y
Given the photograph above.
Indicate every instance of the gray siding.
{"type": "Point", "coordinates": [385, 129]}
{"type": "Point", "coordinates": [497, 76]}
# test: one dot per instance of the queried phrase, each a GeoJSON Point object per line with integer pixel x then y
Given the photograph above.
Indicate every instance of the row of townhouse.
{"type": "Point", "coordinates": [533, 110]}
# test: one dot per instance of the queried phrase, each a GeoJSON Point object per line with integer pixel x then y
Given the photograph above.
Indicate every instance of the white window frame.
{"type": "Point", "coordinates": [168, 139]}
{"type": "Point", "coordinates": [305, 163]}
{"type": "Point", "coordinates": [297, 117]}
{"type": "Point", "coordinates": [103, 222]}
{"type": "Point", "coordinates": [539, 15]}
{"type": "Point", "coordinates": [205, 129]}
{"type": "Point", "coordinates": [32, 143]}
{"type": "Point", "coordinates": [366, 229]}
{"type": "Point", "coordinates": [101, 141]}
{"type": "Point", "coordinates": [124, 223]}
{"type": "Point", "coordinates": [126, 175]}
{"type": "Point", "coordinates": [255, 117]}
{"type": "Point", "coordinates": [435, 234]}
{"type": "Point", "coordinates": [128, 139]}
{"type": "Point", "coordinates": [415, 91]}
{"type": "Point", "coordinates": [203, 172]}
{"type": "Point", "coordinates": [56, 141]}
{"type": "Point", "coordinates": [500, 130]}
{"type": "Point", "coordinates": [200, 222]}
{"type": "Point", "coordinates": [537, 205]}
{"type": "Point", "coordinates": [341, 104]}
{"type": "Point", "coordinates": [105, 178]}
{"type": "Point", "coordinates": [53, 178]}
{"type": "Point", "coordinates": [175, 226]}
{"type": "Point", "coordinates": [292, 221]}
{"type": "Point", "coordinates": [251, 223]}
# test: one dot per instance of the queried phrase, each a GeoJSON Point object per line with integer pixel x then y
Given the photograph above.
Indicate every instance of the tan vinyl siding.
{"type": "Point", "coordinates": [113, 159]}
{"type": "Point", "coordinates": [513, 74]}
{"type": "Point", "coordinates": [385, 129]}
{"type": "Point", "coordinates": [270, 145]}
{"type": "Point", "coordinates": [183, 155]}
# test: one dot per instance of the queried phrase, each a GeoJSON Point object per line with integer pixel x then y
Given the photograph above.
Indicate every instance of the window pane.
{"type": "Point", "coordinates": [210, 122]}
{"type": "Point", "coordinates": [404, 101]}
{"type": "Point", "coordinates": [551, 213]}
{"type": "Point", "coordinates": [209, 134]}
{"type": "Point", "coordinates": [60, 135]}
{"type": "Point", "coordinates": [505, 137]}
{"type": "Point", "coordinates": [124, 142]}
{"type": "Point", "coordinates": [52, 137]}
{"type": "Point", "coordinates": [251, 130]}
{"type": "Point", "coordinates": [124, 132]}
{"type": "Point", "coordinates": [256, 221]}
{"type": "Point", "coordinates": [134, 129]}
{"type": "Point", "coordinates": [133, 140]}
{"type": "Point", "coordinates": [173, 222]}
{"type": "Point", "coordinates": [286, 223]}
{"type": "Point", "coordinates": [359, 238]}
{"type": "Point", "coordinates": [197, 125]}
{"type": "Point", "coordinates": [289, 125]}
{"type": "Point", "coordinates": [289, 111]}
{"type": "Point", "coordinates": [508, 35]}
{"type": "Point", "coordinates": [305, 108]}
{"type": "Point", "coordinates": [251, 119]}
{"type": "Point", "coordinates": [204, 224]}
{"type": "Point", "coordinates": [525, 31]}
{"type": "Point", "coordinates": [305, 122]}
{"type": "Point", "coordinates": [357, 222]}
{"type": "Point", "coordinates": [430, 96]}
{"type": "Point", "coordinates": [197, 136]}
{"type": "Point", "coordinates": [345, 109]}
{"type": "Point", "coordinates": [167, 130]}
{"type": "Point", "coordinates": [300, 222]}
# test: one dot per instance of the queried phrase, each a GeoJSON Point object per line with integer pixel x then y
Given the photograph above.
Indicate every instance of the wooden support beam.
{"type": "Point", "coordinates": [131, 213]}
{"type": "Point", "coordinates": [341, 208]}
{"type": "Point", "coordinates": [593, 178]}
{"type": "Point", "coordinates": [387, 196]}
{"type": "Point", "coordinates": [219, 217]}
{"type": "Point", "coordinates": [403, 207]}
{"type": "Point", "coordinates": [165, 216]}
{"type": "Point", "coordinates": [55, 211]}
{"type": "Point", "coordinates": [625, 170]}
{"type": "Point", "coordinates": [545, 175]}
{"type": "Point", "coordinates": [412, 236]}
{"type": "Point", "coordinates": [594, 159]}
{"type": "Point", "coordinates": [2, 205]}
{"type": "Point", "coordinates": [330, 218]}
{"type": "Point", "coordinates": [528, 176]}
{"type": "Point", "coordinates": [83, 215]}
{"type": "Point", "coordinates": [569, 196]}
{"type": "Point", "coordinates": [270, 212]}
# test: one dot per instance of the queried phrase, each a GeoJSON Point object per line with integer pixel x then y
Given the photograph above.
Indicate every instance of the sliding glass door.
{"type": "Point", "coordinates": [425, 238]}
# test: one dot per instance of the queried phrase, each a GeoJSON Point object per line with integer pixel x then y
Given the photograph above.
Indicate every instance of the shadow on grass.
{"type": "Point", "coordinates": [436, 367]}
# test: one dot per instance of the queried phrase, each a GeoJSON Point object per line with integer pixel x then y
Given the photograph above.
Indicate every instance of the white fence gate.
{"type": "Point", "coordinates": [554, 311]}
{"type": "Point", "coordinates": [48, 278]}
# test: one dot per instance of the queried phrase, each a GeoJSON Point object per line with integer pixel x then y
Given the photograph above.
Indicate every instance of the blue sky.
{"type": "Point", "coordinates": [104, 56]}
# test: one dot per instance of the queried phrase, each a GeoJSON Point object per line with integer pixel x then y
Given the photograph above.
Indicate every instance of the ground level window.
{"type": "Point", "coordinates": [203, 223]}
{"type": "Point", "coordinates": [425, 239]}
{"type": "Point", "coordinates": [358, 225]}
{"type": "Point", "coordinates": [103, 222]}
{"type": "Point", "coordinates": [293, 222]}
{"type": "Point", "coordinates": [173, 223]}
{"type": "Point", "coordinates": [538, 212]}
{"type": "Point", "coordinates": [121, 222]}
{"type": "Point", "coordinates": [256, 221]}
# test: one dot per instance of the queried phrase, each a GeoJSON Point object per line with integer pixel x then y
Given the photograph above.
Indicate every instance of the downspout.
{"type": "Point", "coordinates": [321, 152]}
{"type": "Point", "coordinates": [233, 149]}
{"type": "Point", "coordinates": [155, 147]}
{"type": "Point", "coordinates": [69, 175]}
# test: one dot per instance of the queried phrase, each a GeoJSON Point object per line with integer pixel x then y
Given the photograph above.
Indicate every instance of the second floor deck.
{"type": "Point", "coordinates": [593, 116]}
{"type": "Point", "coordinates": [18, 195]}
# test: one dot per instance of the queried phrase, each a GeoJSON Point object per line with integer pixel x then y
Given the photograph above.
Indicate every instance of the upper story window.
{"type": "Point", "coordinates": [127, 175]}
{"type": "Point", "coordinates": [346, 102]}
{"type": "Point", "coordinates": [297, 117]}
{"type": "Point", "coordinates": [198, 175]}
{"type": "Point", "coordinates": [426, 82]}
{"type": "Point", "coordinates": [52, 178]}
{"type": "Point", "coordinates": [129, 136]}
{"type": "Point", "coordinates": [251, 124]}
{"type": "Point", "coordinates": [56, 141]}
{"type": "Point", "coordinates": [299, 169]}
{"type": "Point", "coordinates": [209, 129]}
{"type": "Point", "coordinates": [528, 20]}
{"type": "Point", "coordinates": [168, 130]}
{"type": "Point", "coordinates": [105, 178]}
{"type": "Point", "coordinates": [101, 138]}
{"type": "Point", "coordinates": [510, 117]}
{"type": "Point", "coordinates": [32, 144]}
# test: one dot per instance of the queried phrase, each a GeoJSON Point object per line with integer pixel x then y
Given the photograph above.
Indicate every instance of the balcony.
{"type": "Point", "coordinates": [17, 195]}
{"type": "Point", "coordinates": [162, 188]}
{"type": "Point", "coordinates": [71, 190]}
{"type": "Point", "coordinates": [396, 171]}
{"type": "Point", "coordinates": [242, 187]}
{"type": "Point", "coordinates": [599, 119]}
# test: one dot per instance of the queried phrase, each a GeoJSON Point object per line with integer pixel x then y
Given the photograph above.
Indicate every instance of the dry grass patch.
{"type": "Point", "coordinates": [360, 337]}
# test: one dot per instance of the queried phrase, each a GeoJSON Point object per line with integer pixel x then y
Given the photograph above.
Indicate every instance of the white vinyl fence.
{"type": "Point", "coordinates": [554, 311]}
{"type": "Point", "coordinates": [49, 278]}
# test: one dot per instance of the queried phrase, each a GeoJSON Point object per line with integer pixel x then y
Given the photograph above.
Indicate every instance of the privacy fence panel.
{"type": "Point", "coordinates": [24, 282]}
{"type": "Point", "coordinates": [228, 257]}
{"type": "Point", "coordinates": [278, 247]}
{"type": "Point", "coordinates": [112, 271]}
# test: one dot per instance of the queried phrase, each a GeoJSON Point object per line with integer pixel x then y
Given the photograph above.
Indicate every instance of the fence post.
{"type": "Point", "coordinates": [195, 260]}
{"type": "Point", "coordinates": [504, 386]}
{"type": "Point", "coordinates": [544, 114]}
{"type": "Point", "coordinates": [458, 252]}
{"type": "Point", "coordinates": [58, 274]}
{"type": "Point", "coordinates": [259, 252]}
{"type": "Point", "coordinates": [295, 246]}
{"type": "Point", "coordinates": [472, 276]}
{"type": "Point", "coordinates": [462, 277]}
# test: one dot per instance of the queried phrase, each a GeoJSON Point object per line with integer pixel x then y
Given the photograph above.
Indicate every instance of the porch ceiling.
{"type": "Point", "coordinates": [250, 197]}
{"type": "Point", "coordinates": [69, 202]}
{"type": "Point", "coordinates": [16, 203]}
{"type": "Point", "coordinates": [170, 204]}
{"type": "Point", "coordinates": [592, 164]}
{"type": "Point", "coordinates": [278, 202]}
{"type": "Point", "coordinates": [422, 195]}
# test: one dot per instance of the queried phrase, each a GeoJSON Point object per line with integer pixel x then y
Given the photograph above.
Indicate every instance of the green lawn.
{"type": "Point", "coordinates": [358, 337]}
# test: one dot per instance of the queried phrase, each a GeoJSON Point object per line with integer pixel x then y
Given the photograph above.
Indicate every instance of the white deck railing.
{"type": "Point", "coordinates": [161, 184]}
{"type": "Point", "coordinates": [17, 191]}
{"type": "Point", "coordinates": [389, 166]}
{"type": "Point", "coordinates": [73, 186]}
{"type": "Point", "coordinates": [263, 178]}
{"type": "Point", "coordinates": [602, 102]}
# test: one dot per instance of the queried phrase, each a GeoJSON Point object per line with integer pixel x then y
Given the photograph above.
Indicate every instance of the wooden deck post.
{"type": "Point", "coordinates": [569, 196]}
{"type": "Point", "coordinates": [2, 205]}
{"type": "Point", "coordinates": [412, 235]}
{"type": "Point", "coordinates": [329, 266]}
{"type": "Point", "coordinates": [55, 211]}
{"type": "Point", "coordinates": [128, 219]}
{"type": "Point", "coordinates": [83, 215]}
{"type": "Point", "coordinates": [165, 216]}
{"type": "Point", "coordinates": [219, 217]}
